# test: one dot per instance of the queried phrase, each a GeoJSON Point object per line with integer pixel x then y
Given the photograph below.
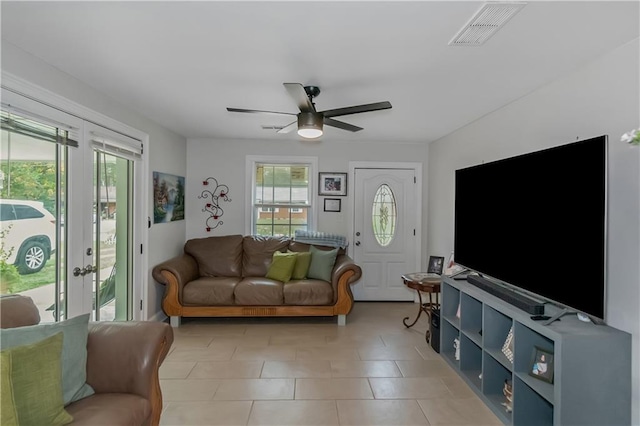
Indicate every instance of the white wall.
{"type": "Point", "coordinates": [225, 161]}
{"type": "Point", "coordinates": [600, 98]}
{"type": "Point", "coordinates": [166, 150]}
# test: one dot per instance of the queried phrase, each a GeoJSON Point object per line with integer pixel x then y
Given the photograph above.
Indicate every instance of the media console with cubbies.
{"type": "Point", "coordinates": [592, 363]}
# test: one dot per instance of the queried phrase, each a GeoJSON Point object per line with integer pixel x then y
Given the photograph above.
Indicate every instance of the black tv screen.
{"type": "Point", "coordinates": [538, 222]}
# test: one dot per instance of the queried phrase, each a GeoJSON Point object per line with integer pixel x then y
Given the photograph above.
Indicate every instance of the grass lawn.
{"type": "Point", "coordinates": [46, 276]}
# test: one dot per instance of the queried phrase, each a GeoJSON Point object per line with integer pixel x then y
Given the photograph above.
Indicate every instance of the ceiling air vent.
{"type": "Point", "coordinates": [485, 23]}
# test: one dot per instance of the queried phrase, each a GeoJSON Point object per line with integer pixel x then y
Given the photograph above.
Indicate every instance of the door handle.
{"type": "Point", "coordinates": [89, 269]}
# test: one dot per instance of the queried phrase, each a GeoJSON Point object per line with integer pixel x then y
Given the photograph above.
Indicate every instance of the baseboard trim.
{"type": "Point", "coordinates": [159, 317]}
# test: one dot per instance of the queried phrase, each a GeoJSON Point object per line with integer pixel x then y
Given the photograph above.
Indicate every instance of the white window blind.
{"type": "Point", "coordinates": [24, 123]}
{"type": "Point", "coordinates": [117, 144]}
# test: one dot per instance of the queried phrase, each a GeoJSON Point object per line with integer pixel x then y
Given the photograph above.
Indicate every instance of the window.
{"type": "Point", "coordinates": [281, 195]}
{"type": "Point", "coordinates": [26, 212]}
{"type": "Point", "coordinates": [269, 210]}
{"type": "Point", "coordinates": [383, 215]}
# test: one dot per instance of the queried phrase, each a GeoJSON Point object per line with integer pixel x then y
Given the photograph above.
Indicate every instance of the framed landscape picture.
{"type": "Point", "coordinates": [168, 197]}
{"type": "Point", "coordinates": [332, 184]}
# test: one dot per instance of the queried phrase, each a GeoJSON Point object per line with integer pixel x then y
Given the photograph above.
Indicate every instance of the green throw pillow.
{"type": "Point", "coordinates": [301, 268]}
{"type": "Point", "coordinates": [321, 263]}
{"type": "Point", "coordinates": [74, 351]}
{"type": "Point", "coordinates": [281, 266]}
{"type": "Point", "coordinates": [35, 376]}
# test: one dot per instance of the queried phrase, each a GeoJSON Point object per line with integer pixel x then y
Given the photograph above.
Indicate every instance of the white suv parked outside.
{"type": "Point", "coordinates": [30, 230]}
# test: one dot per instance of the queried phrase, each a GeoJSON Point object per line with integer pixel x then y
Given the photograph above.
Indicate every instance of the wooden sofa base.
{"type": "Point", "coordinates": [175, 310]}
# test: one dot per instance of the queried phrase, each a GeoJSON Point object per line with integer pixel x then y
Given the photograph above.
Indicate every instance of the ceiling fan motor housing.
{"type": "Point", "coordinates": [310, 124]}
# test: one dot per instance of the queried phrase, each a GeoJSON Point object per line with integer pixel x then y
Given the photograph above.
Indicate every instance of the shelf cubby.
{"type": "Point", "coordinates": [529, 407]}
{"type": "Point", "coordinates": [496, 329]}
{"type": "Point", "coordinates": [450, 310]}
{"type": "Point", "coordinates": [526, 340]}
{"type": "Point", "coordinates": [471, 361]}
{"type": "Point", "coordinates": [471, 320]}
{"type": "Point", "coordinates": [494, 375]}
{"type": "Point", "coordinates": [449, 334]}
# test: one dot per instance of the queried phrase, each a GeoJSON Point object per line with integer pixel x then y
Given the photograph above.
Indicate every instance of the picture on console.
{"type": "Point", "coordinates": [436, 263]}
{"type": "Point", "coordinates": [542, 365]}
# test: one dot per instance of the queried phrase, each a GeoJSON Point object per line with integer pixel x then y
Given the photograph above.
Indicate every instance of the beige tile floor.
{"type": "Point", "coordinates": [310, 371]}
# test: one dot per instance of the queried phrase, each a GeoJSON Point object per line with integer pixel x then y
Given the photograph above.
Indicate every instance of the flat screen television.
{"type": "Point", "coordinates": [537, 222]}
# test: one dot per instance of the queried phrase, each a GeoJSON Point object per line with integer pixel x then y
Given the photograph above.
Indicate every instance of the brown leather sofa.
{"type": "Point", "coordinates": [123, 359]}
{"type": "Point", "coordinates": [225, 277]}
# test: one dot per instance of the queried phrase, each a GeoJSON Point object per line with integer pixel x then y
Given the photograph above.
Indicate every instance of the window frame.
{"type": "Point", "coordinates": [250, 171]}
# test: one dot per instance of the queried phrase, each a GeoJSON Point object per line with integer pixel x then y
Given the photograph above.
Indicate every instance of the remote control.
{"type": "Point", "coordinates": [540, 317]}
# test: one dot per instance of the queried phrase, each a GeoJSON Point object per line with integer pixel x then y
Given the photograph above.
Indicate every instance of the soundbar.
{"type": "Point", "coordinates": [526, 304]}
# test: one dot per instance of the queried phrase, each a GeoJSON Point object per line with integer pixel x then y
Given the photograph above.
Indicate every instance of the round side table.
{"type": "Point", "coordinates": [423, 282]}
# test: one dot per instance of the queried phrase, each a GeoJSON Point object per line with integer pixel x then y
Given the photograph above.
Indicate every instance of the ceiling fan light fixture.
{"type": "Point", "coordinates": [310, 124]}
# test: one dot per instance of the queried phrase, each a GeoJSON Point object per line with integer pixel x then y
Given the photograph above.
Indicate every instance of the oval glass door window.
{"type": "Point", "coordinates": [383, 215]}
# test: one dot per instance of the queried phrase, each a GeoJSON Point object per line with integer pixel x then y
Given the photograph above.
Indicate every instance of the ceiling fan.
{"type": "Point", "coordinates": [310, 122]}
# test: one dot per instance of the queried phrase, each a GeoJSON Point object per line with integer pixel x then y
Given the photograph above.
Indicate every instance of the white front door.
{"type": "Point", "coordinates": [386, 239]}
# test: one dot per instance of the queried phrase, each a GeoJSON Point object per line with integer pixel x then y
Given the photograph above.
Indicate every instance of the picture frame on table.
{"type": "Point", "coordinates": [436, 263]}
{"type": "Point", "coordinates": [332, 184]}
{"type": "Point", "coordinates": [542, 364]}
{"type": "Point", "coordinates": [332, 204]}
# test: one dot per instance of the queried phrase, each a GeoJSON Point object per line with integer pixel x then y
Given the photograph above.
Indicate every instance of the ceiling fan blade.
{"type": "Point", "coordinates": [357, 109]}
{"type": "Point", "coordinates": [255, 111]}
{"type": "Point", "coordinates": [297, 92]}
{"type": "Point", "coordinates": [289, 127]}
{"type": "Point", "coordinates": [341, 125]}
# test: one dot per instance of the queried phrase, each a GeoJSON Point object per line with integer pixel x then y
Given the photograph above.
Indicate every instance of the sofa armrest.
{"type": "Point", "coordinates": [345, 272]}
{"type": "Point", "coordinates": [124, 357]}
{"type": "Point", "coordinates": [175, 274]}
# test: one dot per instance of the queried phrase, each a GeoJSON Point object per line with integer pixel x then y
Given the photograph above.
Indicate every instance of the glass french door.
{"type": "Point", "coordinates": [112, 237]}
{"type": "Point", "coordinates": [66, 207]}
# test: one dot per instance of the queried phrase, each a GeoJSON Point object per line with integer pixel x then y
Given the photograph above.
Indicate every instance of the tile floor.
{"type": "Point", "coordinates": [310, 371]}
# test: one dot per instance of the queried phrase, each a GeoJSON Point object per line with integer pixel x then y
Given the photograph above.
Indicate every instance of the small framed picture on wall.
{"type": "Point", "coordinates": [332, 204]}
{"type": "Point", "coordinates": [332, 184]}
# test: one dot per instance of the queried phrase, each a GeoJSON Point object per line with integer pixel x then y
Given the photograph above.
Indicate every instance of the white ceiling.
{"type": "Point", "coordinates": [182, 63]}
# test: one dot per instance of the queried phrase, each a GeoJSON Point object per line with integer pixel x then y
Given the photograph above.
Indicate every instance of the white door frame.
{"type": "Point", "coordinates": [141, 237]}
{"type": "Point", "coordinates": [353, 165]}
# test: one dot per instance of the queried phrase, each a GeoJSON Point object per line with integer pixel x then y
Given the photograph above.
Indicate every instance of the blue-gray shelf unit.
{"type": "Point", "coordinates": [592, 363]}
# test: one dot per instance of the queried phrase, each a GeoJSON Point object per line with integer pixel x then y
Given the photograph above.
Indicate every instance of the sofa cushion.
{"type": "Point", "coordinates": [217, 256]}
{"type": "Point", "coordinates": [322, 262]}
{"type": "Point", "coordinates": [281, 267]}
{"type": "Point", "coordinates": [35, 376]}
{"type": "Point", "coordinates": [209, 291]}
{"type": "Point", "coordinates": [74, 351]}
{"type": "Point", "coordinates": [113, 409]}
{"type": "Point", "coordinates": [308, 292]}
{"type": "Point", "coordinates": [257, 253]}
{"type": "Point", "coordinates": [259, 291]}
{"type": "Point", "coordinates": [298, 246]}
{"type": "Point", "coordinates": [301, 268]}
